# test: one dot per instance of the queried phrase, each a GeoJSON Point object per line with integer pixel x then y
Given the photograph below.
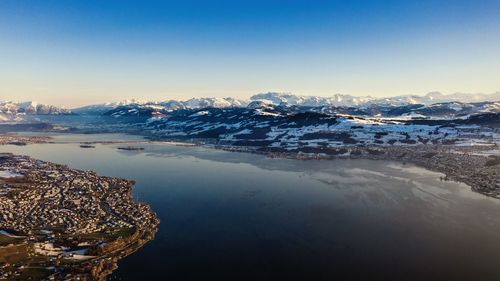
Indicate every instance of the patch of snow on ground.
{"type": "Point", "coordinates": [200, 113]}
{"type": "Point", "coordinates": [9, 174]}
{"type": "Point", "coordinates": [47, 249]}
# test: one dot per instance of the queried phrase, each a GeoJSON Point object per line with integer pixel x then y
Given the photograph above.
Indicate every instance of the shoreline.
{"type": "Point", "coordinates": [69, 224]}
{"type": "Point", "coordinates": [462, 164]}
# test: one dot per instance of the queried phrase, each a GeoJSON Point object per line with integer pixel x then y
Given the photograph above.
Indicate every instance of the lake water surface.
{"type": "Point", "coordinates": [236, 216]}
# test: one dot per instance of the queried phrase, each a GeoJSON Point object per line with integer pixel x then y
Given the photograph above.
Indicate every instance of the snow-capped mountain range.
{"type": "Point", "coordinates": [278, 122]}
{"type": "Point", "coordinates": [274, 127]}
{"type": "Point", "coordinates": [446, 110]}
{"type": "Point", "coordinates": [286, 99]}
{"type": "Point", "coordinates": [353, 101]}
{"type": "Point", "coordinates": [169, 105]}
{"type": "Point", "coordinates": [431, 104]}
{"type": "Point", "coordinates": [31, 108]}
{"type": "Point", "coordinates": [13, 111]}
{"type": "Point", "coordinates": [285, 122]}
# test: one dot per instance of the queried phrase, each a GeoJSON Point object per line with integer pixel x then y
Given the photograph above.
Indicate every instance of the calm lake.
{"type": "Point", "coordinates": [236, 216]}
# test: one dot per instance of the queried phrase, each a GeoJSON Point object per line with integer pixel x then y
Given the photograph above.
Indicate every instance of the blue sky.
{"type": "Point", "coordinates": [79, 52]}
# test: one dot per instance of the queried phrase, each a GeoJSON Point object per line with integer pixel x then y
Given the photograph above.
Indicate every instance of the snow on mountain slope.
{"type": "Point", "coordinates": [274, 126]}
{"type": "Point", "coordinates": [348, 100]}
{"type": "Point", "coordinates": [291, 100]}
{"type": "Point", "coordinates": [155, 109]}
{"type": "Point", "coordinates": [213, 102]}
{"type": "Point", "coordinates": [448, 110]}
{"type": "Point", "coordinates": [310, 101]}
{"type": "Point", "coordinates": [285, 121]}
{"type": "Point", "coordinates": [431, 105]}
{"type": "Point", "coordinates": [98, 109]}
{"type": "Point", "coordinates": [31, 108]}
{"type": "Point", "coordinates": [95, 109]}
{"type": "Point", "coordinates": [163, 106]}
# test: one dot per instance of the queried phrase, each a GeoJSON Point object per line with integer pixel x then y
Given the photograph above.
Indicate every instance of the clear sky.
{"type": "Point", "coordinates": [79, 52]}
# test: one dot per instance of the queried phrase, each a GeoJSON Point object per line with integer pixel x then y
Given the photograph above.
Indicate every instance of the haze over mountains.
{"type": "Point", "coordinates": [288, 99]}
{"type": "Point", "coordinates": [280, 121]}
{"type": "Point", "coordinates": [430, 105]}
{"type": "Point", "coordinates": [413, 105]}
{"type": "Point", "coordinates": [10, 111]}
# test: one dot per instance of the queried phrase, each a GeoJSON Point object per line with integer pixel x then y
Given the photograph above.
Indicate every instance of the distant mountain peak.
{"type": "Point", "coordinates": [31, 108]}
{"type": "Point", "coordinates": [285, 99]}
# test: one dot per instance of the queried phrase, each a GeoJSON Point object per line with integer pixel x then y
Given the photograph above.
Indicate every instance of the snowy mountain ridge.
{"type": "Point", "coordinates": [16, 111]}
{"type": "Point", "coordinates": [337, 102]}
{"type": "Point", "coordinates": [288, 99]}
{"type": "Point", "coordinates": [276, 128]}
{"type": "Point", "coordinates": [348, 100]}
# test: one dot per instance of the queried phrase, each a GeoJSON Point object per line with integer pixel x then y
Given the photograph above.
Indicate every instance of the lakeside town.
{"type": "Point", "coordinates": [64, 224]}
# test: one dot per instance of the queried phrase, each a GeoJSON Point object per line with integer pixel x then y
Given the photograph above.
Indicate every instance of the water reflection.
{"type": "Point", "coordinates": [228, 216]}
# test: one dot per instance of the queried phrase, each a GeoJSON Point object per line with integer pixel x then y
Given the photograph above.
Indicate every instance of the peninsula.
{"type": "Point", "coordinates": [65, 224]}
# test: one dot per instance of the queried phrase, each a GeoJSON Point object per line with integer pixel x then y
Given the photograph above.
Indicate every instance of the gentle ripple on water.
{"type": "Point", "coordinates": [228, 216]}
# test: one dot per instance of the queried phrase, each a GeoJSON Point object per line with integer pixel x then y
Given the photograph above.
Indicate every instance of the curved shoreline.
{"type": "Point", "coordinates": [76, 225]}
